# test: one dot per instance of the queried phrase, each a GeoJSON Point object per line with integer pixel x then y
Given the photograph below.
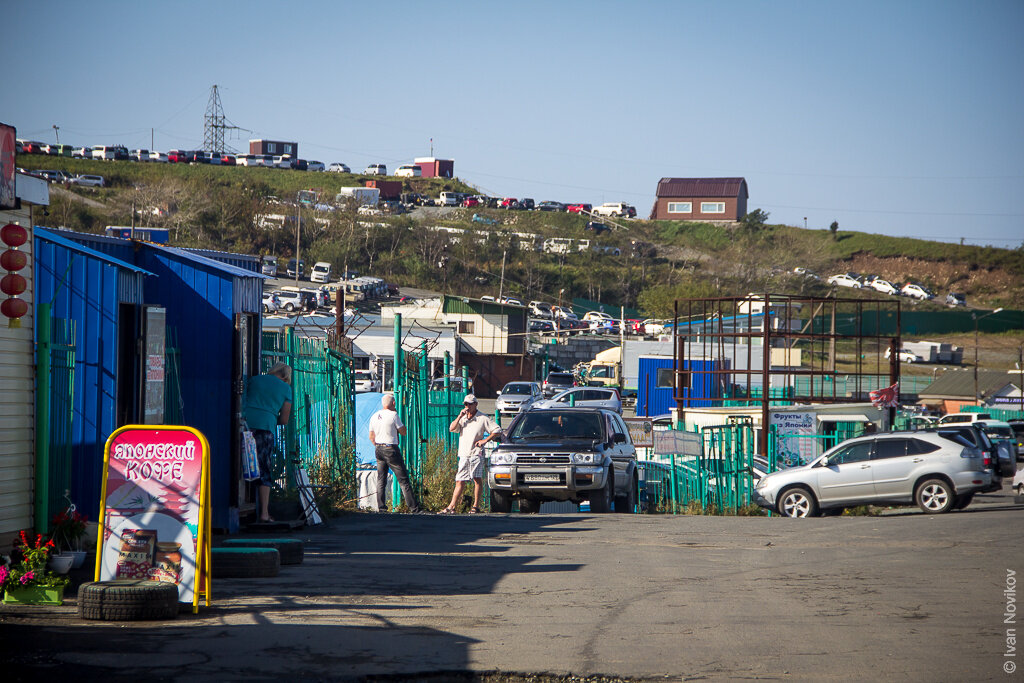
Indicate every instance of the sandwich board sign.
{"type": "Point", "coordinates": [155, 509]}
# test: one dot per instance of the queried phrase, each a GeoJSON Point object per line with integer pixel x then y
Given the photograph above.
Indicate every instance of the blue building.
{"type": "Point", "coordinates": [212, 313]}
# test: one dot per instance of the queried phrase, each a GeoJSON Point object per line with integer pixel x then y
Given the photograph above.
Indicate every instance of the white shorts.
{"type": "Point", "coordinates": [471, 467]}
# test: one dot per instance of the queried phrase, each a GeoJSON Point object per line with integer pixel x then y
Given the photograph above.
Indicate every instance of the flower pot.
{"type": "Point", "coordinates": [78, 557]}
{"type": "Point", "coordinates": [34, 595]}
{"type": "Point", "coordinates": [61, 564]}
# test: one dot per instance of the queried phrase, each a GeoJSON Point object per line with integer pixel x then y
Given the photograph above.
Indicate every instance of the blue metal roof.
{"type": "Point", "coordinates": [199, 259]}
{"type": "Point", "coordinates": [49, 235]}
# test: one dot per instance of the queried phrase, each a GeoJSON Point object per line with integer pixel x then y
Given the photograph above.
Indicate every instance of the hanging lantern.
{"type": "Point", "coordinates": [13, 284]}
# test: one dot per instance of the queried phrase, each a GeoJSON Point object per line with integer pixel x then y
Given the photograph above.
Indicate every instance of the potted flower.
{"type": "Point", "coordinates": [27, 581]}
{"type": "Point", "coordinates": [67, 534]}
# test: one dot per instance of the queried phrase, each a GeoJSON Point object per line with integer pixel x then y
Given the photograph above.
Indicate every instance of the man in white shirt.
{"type": "Point", "coordinates": [385, 426]}
{"type": "Point", "coordinates": [471, 426]}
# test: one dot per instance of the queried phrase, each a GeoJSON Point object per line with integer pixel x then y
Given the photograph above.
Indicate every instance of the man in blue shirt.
{"type": "Point", "coordinates": [268, 403]}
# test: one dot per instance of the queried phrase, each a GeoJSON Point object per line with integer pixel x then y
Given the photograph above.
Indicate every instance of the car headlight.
{"type": "Point", "coordinates": [583, 458]}
{"type": "Point", "coordinates": [502, 458]}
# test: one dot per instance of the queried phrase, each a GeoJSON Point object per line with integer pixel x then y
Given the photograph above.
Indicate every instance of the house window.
{"type": "Point", "coordinates": [287, 149]}
{"type": "Point", "coordinates": [271, 148]}
{"type": "Point", "coordinates": [680, 207]}
{"type": "Point", "coordinates": [466, 327]}
{"type": "Point", "coordinates": [712, 207]}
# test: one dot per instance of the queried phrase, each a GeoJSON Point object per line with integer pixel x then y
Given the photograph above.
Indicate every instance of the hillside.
{"type": "Point", "coordinates": [216, 207]}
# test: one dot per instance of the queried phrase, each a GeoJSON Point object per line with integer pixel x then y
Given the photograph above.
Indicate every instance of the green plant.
{"type": "Point", "coordinates": [68, 529]}
{"type": "Point", "coordinates": [30, 571]}
{"type": "Point", "coordinates": [438, 477]}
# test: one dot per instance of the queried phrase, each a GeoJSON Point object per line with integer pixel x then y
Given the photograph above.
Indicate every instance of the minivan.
{"type": "Point", "coordinates": [321, 272]}
{"type": "Point", "coordinates": [449, 199]}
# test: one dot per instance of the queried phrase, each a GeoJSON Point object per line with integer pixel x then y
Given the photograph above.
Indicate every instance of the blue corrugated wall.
{"type": "Point", "coordinates": [87, 293]}
{"type": "Point", "coordinates": [653, 401]}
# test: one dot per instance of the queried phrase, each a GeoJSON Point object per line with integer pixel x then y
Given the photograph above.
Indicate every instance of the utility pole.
{"type": "Point", "coordinates": [56, 131]}
{"type": "Point", "coordinates": [501, 283]}
{"type": "Point", "coordinates": [298, 221]}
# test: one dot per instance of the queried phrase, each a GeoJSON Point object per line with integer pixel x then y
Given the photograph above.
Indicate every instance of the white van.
{"type": "Point", "coordinates": [449, 199]}
{"type": "Point", "coordinates": [409, 171]}
{"type": "Point", "coordinates": [321, 272]}
{"type": "Point", "coordinates": [105, 152]}
{"type": "Point", "coordinates": [961, 418]}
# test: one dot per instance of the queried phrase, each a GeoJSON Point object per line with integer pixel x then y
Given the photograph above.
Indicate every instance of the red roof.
{"type": "Point", "coordinates": [702, 187]}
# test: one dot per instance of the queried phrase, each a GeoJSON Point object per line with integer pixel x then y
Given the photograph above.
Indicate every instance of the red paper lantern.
{"type": "Point", "coordinates": [13, 235]}
{"type": "Point", "coordinates": [12, 259]}
{"type": "Point", "coordinates": [13, 284]}
{"type": "Point", "coordinates": [13, 308]}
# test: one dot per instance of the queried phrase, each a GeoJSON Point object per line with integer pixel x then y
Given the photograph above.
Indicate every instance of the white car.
{"type": "Point", "coordinates": [366, 380]}
{"type": "Point", "coordinates": [376, 169]}
{"type": "Point", "coordinates": [90, 180]}
{"type": "Point", "coordinates": [583, 397]}
{"type": "Point", "coordinates": [517, 396]}
{"type": "Point", "coordinates": [653, 327]}
{"type": "Point", "coordinates": [315, 166]}
{"type": "Point", "coordinates": [884, 286]}
{"type": "Point", "coordinates": [270, 302]}
{"type": "Point", "coordinates": [248, 160]}
{"type": "Point", "coordinates": [158, 157]}
{"type": "Point", "coordinates": [1018, 484]}
{"type": "Point", "coordinates": [81, 153]}
{"type": "Point", "coordinates": [290, 300]}
{"type": "Point", "coordinates": [906, 356]}
{"type": "Point", "coordinates": [283, 161]}
{"type": "Point", "coordinates": [338, 167]}
{"type": "Point", "coordinates": [845, 280]}
{"type": "Point", "coordinates": [408, 171]}
{"type": "Point", "coordinates": [916, 291]}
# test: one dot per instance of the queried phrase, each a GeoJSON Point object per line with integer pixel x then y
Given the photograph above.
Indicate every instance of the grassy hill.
{"type": "Point", "coordinates": [216, 207]}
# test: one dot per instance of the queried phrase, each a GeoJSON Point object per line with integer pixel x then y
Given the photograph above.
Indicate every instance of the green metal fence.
{"type": "Point", "coordinates": [321, 433]}
{"type": "Point", "coordinates": [174, 405]}
{"type": "Point", "coordinates": [996, 413]}
{"type": "Point", "coordinates": [61, 382]}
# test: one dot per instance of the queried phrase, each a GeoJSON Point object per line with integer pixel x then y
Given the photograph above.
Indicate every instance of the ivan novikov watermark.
{"type": "Point", "coordinates": [1010, 620]}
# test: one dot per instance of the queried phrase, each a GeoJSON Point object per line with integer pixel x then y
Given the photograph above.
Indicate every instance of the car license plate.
{"type": "Point", "coordinates": [541, 478]}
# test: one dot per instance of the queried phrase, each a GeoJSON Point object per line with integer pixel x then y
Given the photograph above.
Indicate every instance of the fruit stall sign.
{"type": "Point", "coordinates": [155, 509]}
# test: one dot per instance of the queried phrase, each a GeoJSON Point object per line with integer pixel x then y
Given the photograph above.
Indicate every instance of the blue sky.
{"type": "Point", "coordinates": [899, 117]}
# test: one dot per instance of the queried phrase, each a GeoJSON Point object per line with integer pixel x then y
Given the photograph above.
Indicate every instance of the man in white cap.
{"type": "Point", "coordinates": [474, 429]}
{"type": "Point", "coordinates": [385, 426]}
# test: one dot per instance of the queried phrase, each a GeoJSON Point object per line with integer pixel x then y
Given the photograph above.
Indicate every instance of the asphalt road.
{"type": "Point", "coordinates": [899, 597]}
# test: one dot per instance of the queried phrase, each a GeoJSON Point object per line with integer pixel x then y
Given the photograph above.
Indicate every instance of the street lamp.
{"type": "Point", "coordinates": [976, 318]}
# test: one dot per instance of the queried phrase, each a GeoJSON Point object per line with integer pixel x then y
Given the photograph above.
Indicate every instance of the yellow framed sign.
{"type": "Point", "coordinates": [155, 509]}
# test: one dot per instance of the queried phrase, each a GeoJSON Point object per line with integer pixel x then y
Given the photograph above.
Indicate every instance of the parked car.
{"type": "Point", "coordinates": [571, 454]}
{"type": "Point", "coordinates": [283, 161]}
{"type": "Point", "coordinates": [177, 156]}
{"type": "Point", "coordinates": [139, 155]}
{"type": "Point", "coordinates": [269, 266]}
{"type": "Point", "coordinates": [845, 280]}
{"type": "Point", "coordinates": [551, 206]}
{"type": "Point", "coordinates": [366, 380]}
{"type": "Point", "coordinates": [526, 204]}
{"type": "Point", "coordinates": [578, 208]}
{"type": "Point", "coordinates": [916, 291]}
{"type": "Point", "coordinates": [271, 302]}
{"type": "Point", "coordinates": [540, 309]}
{"type": "Point", "coordinates": [292, 271]}
{"type": "Point", "coordinates": [997, 461]}
{"type": "Point", "coordinates": [1018, 485]}
{"type": "Point", "coordinates": [228, 160]}
{"type": "Point", "coordinates": [557, 382]}
{"type": "Point", "coordinates": [884, 286]}
{"type": "Point", "coordinates": [583, 397]}
{"type": "Point", "coordinates": [1018, 434]}
{"type": "Point", "coordinates": [54, 176]}
{"type": "Point", "coordinates": [90, 180]}
{"type": "Point", "coordinates": [652, 327]}
{"type": "Point", "coordinates": [957, 418]}
{"type": "Point", "coordinates": [290, 300]}
{"type": "Point", "coordinates": [82, 153]}
{"type": "Point", "coordinates": [517, 396]}
{"type": "Point", "coordinates": [895, 468]}
{"type": "Point", "coordinates": [508, 203]}
{"type": "Point", "coordinates": [954, 299]}
{"type": "Point", "coordinates": [1001, 434]}
{"type": "Point", "coordinates": [906, 356]}
{"type": "Point", "coordinates": [596, 227]}
{"type": "Point", "coordinates": [408, 171]}
{"type": "Point", "coordinates": [158, 157]}
{"type": "Point", "coordinates": [619, 209]}
{"type": "Point", "coordinates": [541, 325]}
{"type": "Point", "coordinates": [454, 385]}
{"type": "Point", "coordinates": [338, 167]}
{"type": "Point", "coordinates": [375, 169]}
{"type": "Point", "coordinates": [470, 202]}
{"type": "Point", "coordinates": [315, 166]}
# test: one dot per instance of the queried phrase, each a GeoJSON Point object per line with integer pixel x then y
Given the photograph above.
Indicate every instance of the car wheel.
{"type": "Point", "coordinates": [627, 503]}
{"type": "Point", "coordinates": [963, 501]}
{"type": "Point", "coordinates": [602, 501]}
{"type": "Point", "coordinates": [797, 502]}
{"type": "Point", "coordinates": [289, 307]}
{"type": "Point", "coordinates": [529, 506]}
{"type": "Point", "coordinates": [501, 501]}
{"type": "Point", "coordinates": [934, 496]}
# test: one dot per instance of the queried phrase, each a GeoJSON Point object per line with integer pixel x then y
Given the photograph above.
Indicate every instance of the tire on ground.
{"type": "Point", "coordinates": [797, 502]}
{"type": "Point", "coordinates": [245, 563]}
{"type": "Point", "coordinates": [934, 496]}
{"type": "Point", "coordinates": [134, 600]}
{"type": "Point", "coordinates": [601, 501]}
{"type": "Point", "coordinates": [291, 550]}
{"type": "Point", "coordinates": [501, 501]}
{"type": "Point", "coordinates": [627, 503]}
{"type": "Point", "coordinates": [529, 506]}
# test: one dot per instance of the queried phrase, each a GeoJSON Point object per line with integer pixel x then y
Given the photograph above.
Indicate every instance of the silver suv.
{"type": "Point", "coordinates": [926, 468]}
{"type": "Point", "coordinates": [573, 454]}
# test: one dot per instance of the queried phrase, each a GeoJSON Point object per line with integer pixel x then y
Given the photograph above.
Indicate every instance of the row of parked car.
{"type": "Point", "coordinates": [913, 290]}
{"type": "Point", "coordinates": [66, 178]}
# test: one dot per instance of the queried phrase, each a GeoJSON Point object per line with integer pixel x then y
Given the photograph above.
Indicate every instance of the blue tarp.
{"type": "Point", "coordinates": [366, 405]}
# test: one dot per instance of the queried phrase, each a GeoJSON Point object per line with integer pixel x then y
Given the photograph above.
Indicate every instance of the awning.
{"type": "Point", "coordinates": [843, 418]}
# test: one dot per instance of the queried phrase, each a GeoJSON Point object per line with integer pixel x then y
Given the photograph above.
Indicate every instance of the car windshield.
{"type": "Point", "coordinates": [518, 389]}
{"type": "Point", "coordinates": [364, 374]}
{"type": "Point", "coordinates": [564, 378]}
{"type": "Point", "coordinates": [557, 424]}
{"type": "Point", "coordinates": [998, 432]}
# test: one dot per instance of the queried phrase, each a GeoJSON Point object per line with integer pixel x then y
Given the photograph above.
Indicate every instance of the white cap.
{"type": "Point", "coordinates": [470, 398]}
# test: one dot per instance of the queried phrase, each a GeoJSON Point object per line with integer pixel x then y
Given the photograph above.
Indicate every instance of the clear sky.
{"type": "Point", "coordinates": [898, 117]}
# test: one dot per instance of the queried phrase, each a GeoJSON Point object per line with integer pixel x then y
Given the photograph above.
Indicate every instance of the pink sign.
{"type": "Point", "coordinates": [153, 506]}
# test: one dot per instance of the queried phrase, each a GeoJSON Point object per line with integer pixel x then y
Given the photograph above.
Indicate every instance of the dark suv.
{"type": "Point", "coordinates": [572, 454]}
{"type": "Point", "coordinates": [557, 382]}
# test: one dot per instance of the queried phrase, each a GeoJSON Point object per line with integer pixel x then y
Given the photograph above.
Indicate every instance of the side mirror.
{"type": "Point", "coordinates": [498, 394]}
